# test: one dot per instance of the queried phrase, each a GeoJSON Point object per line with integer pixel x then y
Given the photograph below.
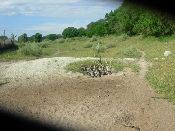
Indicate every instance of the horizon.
{"type": "Point", "coordinates": [50, 17]}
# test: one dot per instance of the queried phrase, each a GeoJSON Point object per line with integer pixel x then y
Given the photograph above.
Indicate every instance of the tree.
{"type": "Point", "coordinates": [31, 38]}
{"type": "Point", "coordinates": [23, 38]}
{"type": "Point", "coordinates": [38, 37]}
{"type": "Point", "coordinates": [51, 37]}
{"type": "Point", "coordinates": [133, 19]}
{"type": "Point", "coordinates": [59, 36]}
{"type": "Point", "coordinates": [81, 32]}
{"type": "Point", "coordinates": [97, 28]}
{"type": "Point", "coordinates": [70, 32]}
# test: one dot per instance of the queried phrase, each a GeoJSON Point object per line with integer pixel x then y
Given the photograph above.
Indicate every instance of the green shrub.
{"type": "Point", "coordinates": [20, 45]}
{"type": "Point", "coordinates": [70, 32]}
{"type": "Point", "coordinates": [101, 48]}
{"type": "Point", "coordinates": [131, 52]}
{"type": "Point", "coordinates": [61, 40]}
{"type": "Point", "coordinates": [38, 37]}
{"type": "Point", "coordinates": [31, 49]}
{"type": "Point", "coordinates": [94, 38]}
{"type": "Point", "coordinates": [44, 44]}
{"type": "Point", "coordinates": [111, 45]}
{"type": "Point", "coordinates": [88, 45]}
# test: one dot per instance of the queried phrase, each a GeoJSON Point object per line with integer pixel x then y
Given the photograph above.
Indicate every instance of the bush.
{"type": "Point", "coordinates": [131, 52]}
{"type": "Point", "coordinates": [94, 38]}
{"type": "Point", "coordinates": [70, 32]}
{"type": "Point", "coordinates": [101, 47]}
{"type": "Point", "coordinates": [51, 37]}
{"type": "Point", "coordinates": [110, 46]}
{"type": "Point", "coordinates": [31, 49]}
{"type": "Point", "coordinates": [61, 40]}
{"type": "Point", "coordinates": [88, 45]}
{"type": "Point", "coordinates": [38, 37]}
{"type": "Point", "coordinates": [23, 38]}
{"type": "Point", "coordinates": [44, 44]}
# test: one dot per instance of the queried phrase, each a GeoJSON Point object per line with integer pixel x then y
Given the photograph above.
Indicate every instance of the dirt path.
{"type": "Point", "coordinates": [114, 103]}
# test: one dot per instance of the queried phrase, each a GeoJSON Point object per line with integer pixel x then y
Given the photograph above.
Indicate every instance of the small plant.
{"type": "Point", "coordinates": [88, 45]}
{"type": "Point", "coordinates": [98, 49]}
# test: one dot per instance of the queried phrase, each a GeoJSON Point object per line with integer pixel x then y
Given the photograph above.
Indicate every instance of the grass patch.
{"type": "Point", "coordinates": [94, 38]}
{"type": "Point", "coordinates": [130, 52]}
{"type": "Point", "coordinates": [111, 45]}
{"type": "Point", "coordinates": [75, 66]}
{"type": "Point", "coordinates": [88, 45]}
{"type": "Point", "coordinates": [135, 67]}
{"type": "Point", "coordinates": [31, 49]}
{"type": "Point", "coordinates": [116, 66]}
{"type": "Point", "coordinates": [161, 76]}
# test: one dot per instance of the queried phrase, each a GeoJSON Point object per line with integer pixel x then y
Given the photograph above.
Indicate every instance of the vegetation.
{"type": "Point", "coordinates": [31, 49]}
{"type": "Point", "coordinates": [117, 66]}
{"type": "Point", "coordinates": [130, 52]}
{"type": "Point", "coordinates": [81, 32]}
{"type": "Point", "coordinates": [162, 75]}
{"type": "Point", "coordinates": [151, 31]}
{"type": "Point", "coordinates": [23, 38]}
{"type": "Point", "coordinates": [38, 37]}
{"type": "Point", "coordinates": [51, 37]}
{"type": "Point", "coordinates": [96, 28]}
{"type": "Point", "coordinates": [70, 32]}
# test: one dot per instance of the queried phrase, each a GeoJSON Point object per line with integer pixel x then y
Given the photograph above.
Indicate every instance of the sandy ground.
{"type": "Point", "coordinates": [41, 89]}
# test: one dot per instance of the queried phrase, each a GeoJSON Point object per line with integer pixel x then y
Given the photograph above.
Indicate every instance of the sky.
{"type": "Point", "coordinates": [51, 16]}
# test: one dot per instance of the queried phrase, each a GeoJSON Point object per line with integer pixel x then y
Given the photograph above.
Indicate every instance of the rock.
{"type": "Point", "coordinates": [167, 53]}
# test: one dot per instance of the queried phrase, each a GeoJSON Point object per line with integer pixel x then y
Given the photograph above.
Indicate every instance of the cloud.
{"type": "Point", "coordinates": [52, 7]}
{"type": "Point", "coordinates": [51, 16]}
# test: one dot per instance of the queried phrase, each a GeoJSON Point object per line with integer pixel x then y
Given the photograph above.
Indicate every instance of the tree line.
{"type": "Point", "coordinates": [129, 19]}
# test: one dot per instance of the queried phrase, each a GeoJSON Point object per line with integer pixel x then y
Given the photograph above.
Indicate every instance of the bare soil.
{"type": "Point", "coordinates": [120, 102]}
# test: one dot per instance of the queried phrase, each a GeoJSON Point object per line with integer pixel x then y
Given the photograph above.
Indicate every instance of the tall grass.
{"type": "Point", "coordinates": [31, 49]}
